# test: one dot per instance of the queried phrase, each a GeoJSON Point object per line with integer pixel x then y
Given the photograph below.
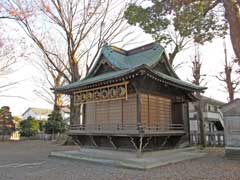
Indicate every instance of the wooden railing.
{"type": "Point", "coordinates": [127, 127]}
{"type": "Point", "coordinates": [211, 138]}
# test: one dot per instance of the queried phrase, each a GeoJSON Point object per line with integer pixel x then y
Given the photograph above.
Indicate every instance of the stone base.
{"type": "Point", "coordinates": [232, 153]}
{"type": "Point", "coordinates": [135, 160]}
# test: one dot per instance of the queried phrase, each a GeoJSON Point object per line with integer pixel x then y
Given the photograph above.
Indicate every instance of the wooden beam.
{"type": "Point", "coordinates": [133, 143]}
{"type": "Point", "coordinates": [147, 142]}
{"type": "Point", "coordinates": [93, 141]}
{"type": "Point", "coordinates": [103, 87]}
{"type": "Point", "coordinates": [111, 142]}
{"type": "Point", "coordinates": [77, 93]}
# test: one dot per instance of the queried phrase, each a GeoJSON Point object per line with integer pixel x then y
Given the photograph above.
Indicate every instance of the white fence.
{"type": "Point", "coordinates": [211, 138]}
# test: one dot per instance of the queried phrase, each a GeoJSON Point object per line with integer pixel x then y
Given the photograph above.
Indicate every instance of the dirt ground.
{"type": "Point", "coordinates": [28, 160]}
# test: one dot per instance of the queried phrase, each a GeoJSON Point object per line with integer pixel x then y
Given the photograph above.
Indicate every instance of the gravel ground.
{"type": "Point", "coordinates": [28, 160]}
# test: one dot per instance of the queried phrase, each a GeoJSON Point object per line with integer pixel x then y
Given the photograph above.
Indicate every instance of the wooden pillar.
{"type": "Point", "coordinates": [138, 103]}
{"type": "Point", "coordinates": [83, 114]}
{"type": "Point", "coordinates": [139, 122]}
{"type": "Point", "coordinates": [188, 121]}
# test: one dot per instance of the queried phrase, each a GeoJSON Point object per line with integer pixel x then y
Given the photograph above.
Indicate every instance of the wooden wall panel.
{"type": "Point", "coordinates": [130, 110]}
{"type": "Point", "coordinates": [156, 110]}
{"type": "Point", "coordinates": [90, 113]}
{"type": "Point", "coordinates": [102, 109]}
{"type": "Point", "coordinates": [115, 112]}
{"type": "Point", "coordinates": [144, 109]}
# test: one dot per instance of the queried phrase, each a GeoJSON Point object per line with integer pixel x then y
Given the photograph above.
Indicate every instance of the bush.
{"type": "Point", "coordinates": [29, 127]}
{"type": "Point", "coordinates": [42, 125]}
{"type": "Point", "coordinates": [55, 123]}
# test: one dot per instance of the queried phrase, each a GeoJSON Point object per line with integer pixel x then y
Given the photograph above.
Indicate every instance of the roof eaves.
{"type": "Point", "coordinates": [178, 83]}
{"type": "Point", "coordinates": [98, 79]}
{"type": "Point", "coordinates": [118, 74]}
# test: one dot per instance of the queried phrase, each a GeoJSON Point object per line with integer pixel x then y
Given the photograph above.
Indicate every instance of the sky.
{"type": "Point", "coordinates": [24, 96]}
{"type": "Point", "coordinates": [211, 54]}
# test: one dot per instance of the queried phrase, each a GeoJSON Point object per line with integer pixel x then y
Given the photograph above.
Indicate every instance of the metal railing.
{"type": "Point", "coordinates": [221, 118]}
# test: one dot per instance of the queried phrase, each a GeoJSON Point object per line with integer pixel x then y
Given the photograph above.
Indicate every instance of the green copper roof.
{"type": "Point", "coordinates": [96, 79]}
{"type": "Point", "coordinates": [121, 59]}
{"type": "Point", "coordinates": [117, 74]}
{"type": "Point", "coordinates": [127, 62]}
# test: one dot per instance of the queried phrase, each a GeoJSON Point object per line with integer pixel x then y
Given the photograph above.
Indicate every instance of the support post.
{"type": "Point", "coordinates": [188, 122]}
{"type": "Point", "coordinates": [165, 141]}
{"type": "Point", "coordinates": [138, 102]}
{"type": "Point", "coordinates": [147, 142]}
{"type": "Point", "coordinates": [140, 144]}
{"type": "Point", "coordinates": [133, 143]}
{"type": "Point", "coordinates": [111, 142]}
{"type": "Point", "coordinates": [93, 141]}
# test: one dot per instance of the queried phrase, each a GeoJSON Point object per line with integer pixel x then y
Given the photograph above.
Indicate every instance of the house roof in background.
{"type": "Point", "coordinates": [212, 101]}
{"type": "Point", "coordinates": [38, 111]}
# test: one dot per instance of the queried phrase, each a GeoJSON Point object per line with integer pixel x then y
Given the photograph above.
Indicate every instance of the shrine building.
{"type": "Point", "coordinates": [131, 100]}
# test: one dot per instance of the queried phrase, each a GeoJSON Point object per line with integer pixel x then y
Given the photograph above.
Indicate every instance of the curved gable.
{"type": "Point", "coordinates": [113, 58]}
{"type": "Point", "coordinates": [164, 66]}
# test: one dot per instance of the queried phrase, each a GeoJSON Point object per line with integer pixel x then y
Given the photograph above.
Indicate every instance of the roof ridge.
{"type": "Point", "coordinates": [134, 50]}
{"type": "Point", "coordinates": [142, 48]}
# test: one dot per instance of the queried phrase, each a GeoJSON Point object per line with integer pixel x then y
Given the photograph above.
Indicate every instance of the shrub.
{"type": "Point", "coordinates": [55, 123]}
{"type": "Point", "coordinates": [42, 125]}
{"type": "Point", "coordinates": [29, 127]}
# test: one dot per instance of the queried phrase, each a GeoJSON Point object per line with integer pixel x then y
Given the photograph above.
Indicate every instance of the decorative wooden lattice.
{"type": "Point", "coordinates": [104, 93]}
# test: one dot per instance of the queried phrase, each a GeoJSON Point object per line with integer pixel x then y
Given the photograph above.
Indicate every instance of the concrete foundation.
{"type": "Point", "coordinates": [232, 153]}
{"type": "Point", "coordinates": [141, 161]}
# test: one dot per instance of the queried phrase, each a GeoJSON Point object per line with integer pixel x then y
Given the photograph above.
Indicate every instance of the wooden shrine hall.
{"type": "Point", "coordinates": [131, 100]}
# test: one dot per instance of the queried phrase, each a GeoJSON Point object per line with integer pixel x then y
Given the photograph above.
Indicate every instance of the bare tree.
{"type": "Point", "coordinates": [8, 58]}
{"type": "Point", "coordinates": [82, 26]}
{"type": "Point", "coordinates": [230, 83]}
{"type": "Point", "coordinates": [197, 80]}
{"type": "Point", "coordinates": [51, 77]}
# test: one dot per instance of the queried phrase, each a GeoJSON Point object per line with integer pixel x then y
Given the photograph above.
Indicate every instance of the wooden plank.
{"type": "Point", "coordinates": [130, 110]}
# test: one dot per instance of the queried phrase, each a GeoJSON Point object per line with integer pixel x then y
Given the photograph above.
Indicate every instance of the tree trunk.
{"type": "Point", "coordinates": [57, 97]}
{"type": "Point", "coordinates": [201, 120]}
{"type": "Point", "coordinates": [232, 11]}
{"type": "Point", "coordinates": [173, 55]}
{"type": "Point", "coordinates": [230, 89]}
{"type": "Point", "coordinates": [57, 102]}
{"type": "Point", "coordinates": [75, 110]}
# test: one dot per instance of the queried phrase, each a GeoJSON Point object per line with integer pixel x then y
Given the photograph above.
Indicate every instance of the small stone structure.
{"type": "Point", "coordinates": [231, 112]}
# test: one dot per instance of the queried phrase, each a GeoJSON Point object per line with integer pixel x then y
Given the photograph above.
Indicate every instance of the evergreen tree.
{"type": "Point", "coordinates": [55, 123]}
{"type": "Point", "coordinates": [177, 23]}
{"type": "Point", "coordinates": [29, 127]}
{"type": "Point", "coordinates": [6, 121]}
